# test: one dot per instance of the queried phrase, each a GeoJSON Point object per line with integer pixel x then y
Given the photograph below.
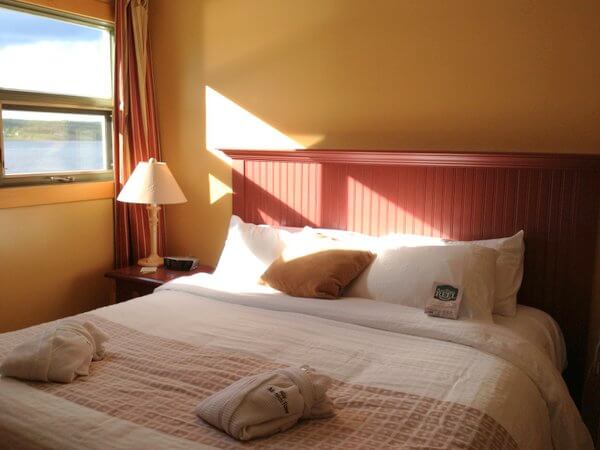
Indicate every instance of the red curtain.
{"type": "Point", "coordinates": [134, 126]}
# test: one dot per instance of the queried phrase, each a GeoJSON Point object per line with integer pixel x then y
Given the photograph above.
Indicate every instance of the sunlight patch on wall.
{"type": "Point", "coordinates": [217, 189]}
{"type": "Point", "coordinates": [228, 125]}
{"type": "Point", "coordinates": [267, 218]}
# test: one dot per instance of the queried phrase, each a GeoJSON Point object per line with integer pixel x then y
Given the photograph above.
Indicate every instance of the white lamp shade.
{"type": "Point", "coordinates": [151, 183]}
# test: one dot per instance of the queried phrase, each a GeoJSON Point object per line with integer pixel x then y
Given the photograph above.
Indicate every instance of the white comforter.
{"type": "Point", "coordinates": [469, 386]}
{"type": "Point", "coordinates": [484, 366]}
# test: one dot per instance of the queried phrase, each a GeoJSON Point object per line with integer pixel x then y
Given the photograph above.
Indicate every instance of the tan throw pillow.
{"type": "Point", "coordinates": [324, 274]}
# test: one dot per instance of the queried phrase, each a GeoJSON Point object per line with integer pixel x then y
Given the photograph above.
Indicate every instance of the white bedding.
{"type": "Point", "coordinates": [540, 329]}
{"type": "Point", "coordinates": [484, 366]}
{"type": "Point", "coordinates": [515, 348]}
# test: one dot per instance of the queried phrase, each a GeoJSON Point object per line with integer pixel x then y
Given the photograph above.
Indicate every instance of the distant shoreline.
{"type": "Point", "coordinates": [45, 130]}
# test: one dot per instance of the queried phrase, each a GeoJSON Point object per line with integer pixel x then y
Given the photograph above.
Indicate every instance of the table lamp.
{"type": "Point", "coordinates": [152, 184]}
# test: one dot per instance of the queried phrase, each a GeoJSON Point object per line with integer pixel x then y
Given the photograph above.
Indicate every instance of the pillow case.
{"type": "Point", "coordinates": [509, 270]}
{"type": "Point", "coordinates": [405, 275]}
{"type": "Point", "coordinates": [249, 250]}
{"type": "Point", "coordinates": [323, 274]}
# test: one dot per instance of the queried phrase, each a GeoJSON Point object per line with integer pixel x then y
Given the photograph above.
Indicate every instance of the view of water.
{"type": "Point", "coordinates": [24, 156]}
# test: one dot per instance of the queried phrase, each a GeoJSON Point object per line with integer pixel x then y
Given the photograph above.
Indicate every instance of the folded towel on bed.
{"type": "Point", "coordinates": [60, 353]}
{"type": "Point", "coordinates": [265, 404]}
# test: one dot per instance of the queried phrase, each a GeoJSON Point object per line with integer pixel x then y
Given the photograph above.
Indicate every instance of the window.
{"type": "Point", "coordinates": [55, 97]}
{"type": "Point", "coordinates": [37, 142]}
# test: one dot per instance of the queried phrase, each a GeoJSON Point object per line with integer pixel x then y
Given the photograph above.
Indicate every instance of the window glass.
{"type": "Point", "coordinates": [45, 142]}
{"type": "Point", "coordinates": [43, 54]}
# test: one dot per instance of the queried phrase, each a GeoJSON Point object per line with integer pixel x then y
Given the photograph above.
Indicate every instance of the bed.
{"type": "Point", "coordinates": [401, 379]}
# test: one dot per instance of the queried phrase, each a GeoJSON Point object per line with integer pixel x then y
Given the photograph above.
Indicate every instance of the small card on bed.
{"type": "Point", "coordinates": [445, 300]}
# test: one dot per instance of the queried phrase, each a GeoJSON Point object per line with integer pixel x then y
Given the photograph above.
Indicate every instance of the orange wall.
{"type": "Point", "coordinates": [53, 260]}
{"type": "Point", "coordinates": [385, 74]}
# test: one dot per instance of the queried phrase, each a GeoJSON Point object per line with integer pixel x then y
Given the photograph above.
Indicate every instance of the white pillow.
{"type": "Point", "coordinates": [308, 241]}
{"type": "Point", "coordinates": [509, 266]}
{"type": "Point", "coordinates": [377, 243]}
{"type": "Point", "coordinates": [249, 250]}
{"type": "Point", "coordinates": [509, 270]}
{"type": "Point", "coordinates": [408, 240]}
{"type": "Point", "coordinates": [405, 275]}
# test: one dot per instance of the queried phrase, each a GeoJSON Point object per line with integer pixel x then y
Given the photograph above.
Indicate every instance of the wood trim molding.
{"type": "Point", "coordinates": [17, 197]}
{"type": "Point", "coordinates": [94, 9]}
{"type": "Point", "coordinates": [424, 159]}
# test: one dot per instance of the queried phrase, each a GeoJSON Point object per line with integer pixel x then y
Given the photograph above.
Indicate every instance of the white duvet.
{"type": "Point", "coordinates": [507, 350]}
{"type": "Point", "coordinates": [484, 366]}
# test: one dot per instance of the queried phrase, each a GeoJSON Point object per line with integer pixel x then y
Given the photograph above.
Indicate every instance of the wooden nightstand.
{"type": "Point", "coordinates": [130, 283]}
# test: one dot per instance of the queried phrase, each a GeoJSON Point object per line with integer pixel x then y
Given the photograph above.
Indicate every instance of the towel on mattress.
{"type": "Point", "coordinates": [268, 403]}
{"type": "Point", "coordinates": [59, 354]}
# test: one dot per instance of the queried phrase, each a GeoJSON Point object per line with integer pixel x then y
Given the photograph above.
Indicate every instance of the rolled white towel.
{"type": "Point", "coordinates": [268, 403]}
{"type": "Point", "coordinates": [60, 353]}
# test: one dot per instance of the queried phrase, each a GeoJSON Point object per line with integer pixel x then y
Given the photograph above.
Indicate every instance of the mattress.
{"type": "Point", "coordinates": [401, 379]}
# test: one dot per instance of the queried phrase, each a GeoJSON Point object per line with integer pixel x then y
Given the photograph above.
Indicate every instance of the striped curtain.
{"type": "Point", "coordinates": [134, 126]}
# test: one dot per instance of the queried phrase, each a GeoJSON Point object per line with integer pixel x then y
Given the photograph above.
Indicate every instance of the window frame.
{"type": "Point", "coordinates": [48, 102]}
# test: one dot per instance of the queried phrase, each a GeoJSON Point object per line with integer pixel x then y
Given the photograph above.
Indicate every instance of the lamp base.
{"type": "Point", "coordinates": [151, 261]}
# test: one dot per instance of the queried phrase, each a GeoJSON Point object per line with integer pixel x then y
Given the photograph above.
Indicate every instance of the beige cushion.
{"type": "Point", "coordinates": [323, 274]}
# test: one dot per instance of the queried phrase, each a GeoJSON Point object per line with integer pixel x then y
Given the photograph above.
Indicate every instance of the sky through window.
{"type": "Point", "coordinates": [43, 54]}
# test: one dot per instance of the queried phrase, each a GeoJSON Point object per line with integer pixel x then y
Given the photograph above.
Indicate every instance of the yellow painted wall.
{"type": "Point", "coordinates": [467, 75]}
{"type": "Point", "coordinates": [52, 261]}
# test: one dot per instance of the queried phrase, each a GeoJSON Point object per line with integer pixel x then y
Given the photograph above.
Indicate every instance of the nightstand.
{"type": "Point", "coordinates": [130, 283]}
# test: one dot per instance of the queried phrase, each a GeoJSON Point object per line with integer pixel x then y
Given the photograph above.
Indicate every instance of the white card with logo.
{"type": "Point", "coordinates": [445, 300]}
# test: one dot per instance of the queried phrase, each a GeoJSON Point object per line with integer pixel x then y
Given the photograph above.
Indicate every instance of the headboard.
{"type": "Point", "coordinates": [463, 196]}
